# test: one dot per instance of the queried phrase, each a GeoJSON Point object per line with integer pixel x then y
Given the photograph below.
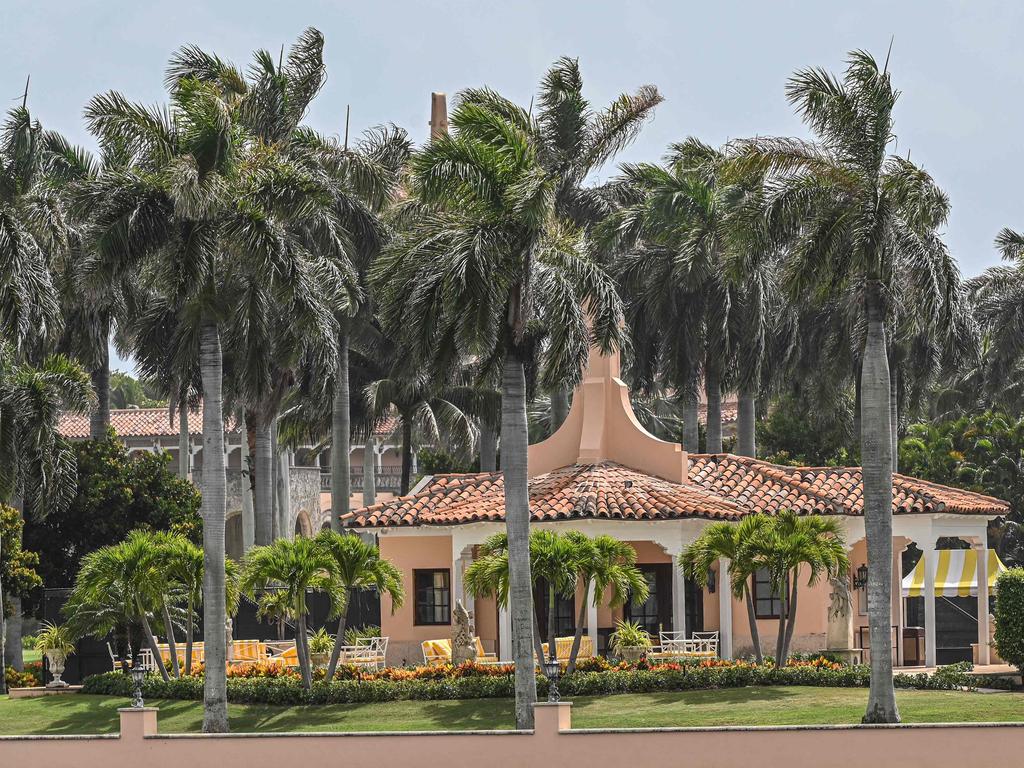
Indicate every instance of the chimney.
{"type": "Point", "coordinates": [438, 115]}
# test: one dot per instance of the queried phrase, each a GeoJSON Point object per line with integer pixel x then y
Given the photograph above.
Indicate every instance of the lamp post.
{"type": "Point", "coordinates": [138, 673]}
{"type": "Point", "coordinates": [860, 579]}
{"type": "Point", "coordinates": [552, 669]}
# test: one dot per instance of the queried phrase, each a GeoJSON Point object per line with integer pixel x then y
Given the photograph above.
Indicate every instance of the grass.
{"type": "Point", "coordinates": [76, 714]}
{"type": "Point", "coordinates": [30, 655]}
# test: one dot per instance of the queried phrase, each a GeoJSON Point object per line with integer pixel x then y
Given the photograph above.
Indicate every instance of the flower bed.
{"type": "Point", "coordinates": [261, 683]}
{"type": "Point", "coordinates": [32, 677]}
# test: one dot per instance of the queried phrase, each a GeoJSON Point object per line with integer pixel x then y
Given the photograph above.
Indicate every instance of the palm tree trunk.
{"type": "Point", "coordinates": [895, 422]}
{"type": "Point", "coordinates": [172, 646]}
{"type": "Point", "coordinates": [11, 631]}
{"type": "Point", "coordinates": [488, 448]}
{"type": "Point", "coordinates": [559, 408]}
{"type": "Point", "coordinates": [245, 487]}
{"type": "Point", "coordinates": [151, 642]}
{"type": "Point", "coordinates": [713, 389]}
{"type": "Point", "coordinates": [3, 631]}
{"type": "Point", "coordinates": [406, 456]}
{"type": "Point", "coordinates": [263, 503]}
{"type": "Point", "coordinates": [578, 636]}
{"type": "Point", "coordinates": [339, 639]}
{"type": "Point", "coordinates": [214, 487]}
{"type": "Point", "coordinates": [282, 480]}
{"type": "Point", "coordinates": [791, 620]}
{"type": "Point", "coordinates": [341, 425]}
{"type": "Point", "coordinates": [691, 425]}
{"type": "Point", "coordinates": [538, 644]}
{"type": "Point", "coordinates": [783, 613]}
{"type": "Point", "coordinates": [876, 456]}
{"type": "Point", "coordinates": [755, 634]}
{"type": "Point", "coordinates": [515, 439]}
{"type": "Point", "coordinates": [745, 426]}
{"type": "Point", "coordinates": [99, 417]}
{"type": "Point", "coordinates": [552, 645]}
{"type": "Point", "coordinates": [190, 626]}
{"type": "Point", "coordinates": [302, 647]}
{"type": "Point", "coordinates": [369, 471]}
{"type": "Point", "coordinates": [184, 443]}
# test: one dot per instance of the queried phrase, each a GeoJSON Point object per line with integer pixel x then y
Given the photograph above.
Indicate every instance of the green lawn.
{"type": "Point", "coordinates": [743, 706]}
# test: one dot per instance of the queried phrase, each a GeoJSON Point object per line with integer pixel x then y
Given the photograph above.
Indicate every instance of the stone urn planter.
{"type": "Point", "coordinates": [319, 659]}
{"type": "Point", "coordinates": [55, 660]}
{"type": "Point", "coordinates": [632, 654]}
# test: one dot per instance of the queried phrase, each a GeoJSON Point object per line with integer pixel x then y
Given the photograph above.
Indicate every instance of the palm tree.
{"type": "Point", "coordinates": [357, 565]}
{"type": "Point", "coordinates": [183, 561]}
{"type": "Point", "coordinates": [37, 464]}
{"type": "Point", "coordinates": [603, 564]}
{"type": "Point", "coordinates": [122, 583]}
{"type": "Point", "coordinates": [29, 235]}
{"type": "Point", "coordinates": [731, 542]}
{"type": "Point", "coordinates": [485, 267]}
{"type": "Point", "coordinates": [575, 141]}
{"type": "Point", "coordinates": [291, 568]}
{"type": "Point", "coordinates": [853, 213]}
{"type": "Point", "coordinates": [205, 204]}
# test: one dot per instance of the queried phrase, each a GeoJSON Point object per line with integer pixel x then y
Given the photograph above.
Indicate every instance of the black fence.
{"type": "Point", "coordinates": [93, 656]}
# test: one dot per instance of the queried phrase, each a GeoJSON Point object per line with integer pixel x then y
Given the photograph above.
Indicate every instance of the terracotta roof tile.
{"type": "Point", "coordinates": [723, 487]}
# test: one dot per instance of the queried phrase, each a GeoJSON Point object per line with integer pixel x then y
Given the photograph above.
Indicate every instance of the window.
{"type": "Point", "coordinates": [655, 613]}
{"type": "Point", "coordinates": [767, 603]}
{"type": "Point", "coordinates": [565, 611]}
{"type": "Point", "coordinates": [433, 603]}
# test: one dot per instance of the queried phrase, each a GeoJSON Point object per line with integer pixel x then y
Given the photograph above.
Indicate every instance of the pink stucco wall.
{"type": "Point", "coordinates": [552, 742]}
{"type": "Point", "coordinates": [409, 553]}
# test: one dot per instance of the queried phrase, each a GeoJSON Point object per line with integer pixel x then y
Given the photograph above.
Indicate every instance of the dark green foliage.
{"type": "Point", "coordinates": [115, 494]}
{"type": "Point", "coordinates": [437, 461]}
{"type": "Point", "coordinates": [1010, 617]}
{"type": "Point", "coordinates": [982, 453]}
{"type": "Point", "coordinates": [673, 677]}
{"type": "Point", "coordinates": [18, 566]}
{"type": "Point", "coordinates": [797, 432]}
{"type": "Point", "coordinates": [126, 391]}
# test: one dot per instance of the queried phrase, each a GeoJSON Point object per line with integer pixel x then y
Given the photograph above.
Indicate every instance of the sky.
{"type": "Point", "coordinates": [721, 66]}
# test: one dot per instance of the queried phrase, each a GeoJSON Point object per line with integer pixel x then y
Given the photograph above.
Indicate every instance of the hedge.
{"type": "Point", "coordinates": [671, 677]}
{"type": "Point", "coordinates": [1010, 617]}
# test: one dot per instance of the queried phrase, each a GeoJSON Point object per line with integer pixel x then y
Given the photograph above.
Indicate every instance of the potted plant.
{"type": "Point", "coordinates": [630, 641]}
{"type": "Point", "coordinates": [320, 646]}
{"type": "Point", "coordinates": [56, 644]}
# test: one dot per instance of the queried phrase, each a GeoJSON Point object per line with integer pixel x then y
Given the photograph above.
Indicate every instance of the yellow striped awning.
{"type": "Point", "coordinates": [956, 574]}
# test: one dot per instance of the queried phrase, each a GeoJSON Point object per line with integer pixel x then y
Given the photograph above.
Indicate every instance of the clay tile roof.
{"type": "Point", "coordinates": [722, 487]}
{"type": "Point", "coordinates": [135, 422]}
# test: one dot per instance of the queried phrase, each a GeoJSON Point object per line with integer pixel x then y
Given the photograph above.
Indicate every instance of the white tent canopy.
{"type": "Point", "coordinates": [956, 574]}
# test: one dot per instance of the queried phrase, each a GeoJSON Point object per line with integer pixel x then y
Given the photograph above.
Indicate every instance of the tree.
{"type": "Point", "coordinates": [484, 267]}
{"type": "Point", "coordinates": [205, 205]}
{"type": "Point", "coordinates": [115, 493]}
{"type": "Point", "coordinates": [293, 567]}
{"type": "Point", "coordinates": [18, 569]}
{"type": "Point", "coordinates": [603, 565]}
{"type": "Point", "coordinates": [852, 215]}
{"type": "Point", "coordinates": [29, 307]}
{"type": "Point", "coordinates": [37, 465]}
{"type": "Point", "coordinates": [733, 543]}
{"type": "Point", "coordinates": [119, 585]}
{"type": "Point", "coordinates": [357, 565]}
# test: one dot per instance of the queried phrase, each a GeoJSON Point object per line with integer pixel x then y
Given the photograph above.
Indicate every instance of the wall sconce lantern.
{"type": "Point", "coordinates": [711, 581]}
{"type": "Point", "coordinates": [860, 579]}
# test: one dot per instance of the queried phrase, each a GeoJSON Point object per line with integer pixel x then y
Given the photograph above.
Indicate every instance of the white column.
{"type": "Point", "coordinates": [897, 592]}
{"type": "Point", "coordinates": [929, 555]}
{"type": "Point", "coordinates": [458, 577]}
{"type": "Point", "coordinates": [592, 621]}
{"type": "Point", "coordinates": [724, 611]}
{"type": "Point", "coordinates": [984, 655]}
{"type": "Point", "coordinates": [678, 596]}
{"type": "Point", "coordinates": [504, 634]}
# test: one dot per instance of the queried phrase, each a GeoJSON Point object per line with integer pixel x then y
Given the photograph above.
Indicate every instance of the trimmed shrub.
{"type": "Point", "coordinates": [26, 679]}
{"type": "Point", "coordinates": [1010, 617]}
{"type": "Point", "coordinates": [481, 682]}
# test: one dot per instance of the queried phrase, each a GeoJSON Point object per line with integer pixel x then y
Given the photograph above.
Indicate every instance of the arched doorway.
{"type": "Point", "coordinates": [302, 525]}
{"type": "Point", "coordinates": [234, 545]}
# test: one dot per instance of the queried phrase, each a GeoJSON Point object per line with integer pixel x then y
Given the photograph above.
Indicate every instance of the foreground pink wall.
{"type": "Point", "coordinates": [551, 744]}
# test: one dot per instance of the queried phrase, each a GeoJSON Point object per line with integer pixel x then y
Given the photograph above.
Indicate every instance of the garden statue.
{"type": "Point", "coordinates": [839, 640]}
{"type": "Point", "coordinates": [463, 643]}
